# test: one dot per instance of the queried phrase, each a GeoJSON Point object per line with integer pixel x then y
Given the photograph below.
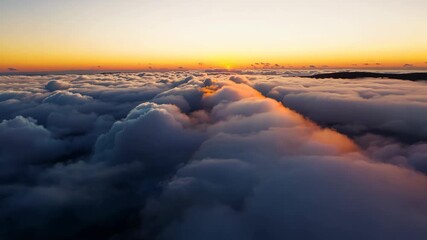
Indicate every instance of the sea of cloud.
{"type": "Point", "coordinates": [190, 155]}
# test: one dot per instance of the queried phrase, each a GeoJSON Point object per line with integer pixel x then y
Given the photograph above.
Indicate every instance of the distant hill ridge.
{"type": "Point", "coordinates": [420, 76]}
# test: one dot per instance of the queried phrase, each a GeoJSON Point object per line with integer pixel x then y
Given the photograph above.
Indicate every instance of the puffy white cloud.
{"type": "Point", "coordinates": [239, 79]}
{"type": "Point", "coordinates": [66, 98]}
{"type": "Point", "coordinates": [57, 85]}
{"type": "Point", "coordinates": [24, 145]}
{"type": "Point", "coordinates": [159, 136]}
{"type": "Point", "coordinates": [286, 178]}
{"type": "Point", "coordinates": [394, 107]}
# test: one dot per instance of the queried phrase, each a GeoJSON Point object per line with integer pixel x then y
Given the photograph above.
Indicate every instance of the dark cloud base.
{"type": "Point", "coordinates": [186, 155]}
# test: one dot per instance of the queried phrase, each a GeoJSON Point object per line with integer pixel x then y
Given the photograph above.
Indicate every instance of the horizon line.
{"type": "Point", "coordinates": [182, 69]}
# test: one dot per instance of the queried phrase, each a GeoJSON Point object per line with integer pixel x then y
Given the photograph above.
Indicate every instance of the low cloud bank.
{"type": "Point", "coordinates": [393, 107]}
{"type": "Point", "coordinates": [189, 156]}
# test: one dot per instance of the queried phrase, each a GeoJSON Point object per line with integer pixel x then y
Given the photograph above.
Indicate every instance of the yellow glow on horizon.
{"type": "Point", "coordinates": [35, 60]}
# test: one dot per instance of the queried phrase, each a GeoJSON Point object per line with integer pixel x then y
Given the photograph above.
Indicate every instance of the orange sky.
{"type": "Point", "coordinates": [140, 34]}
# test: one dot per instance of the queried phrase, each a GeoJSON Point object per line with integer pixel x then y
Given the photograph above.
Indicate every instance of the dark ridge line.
{"type": "Point", "coordinates": [420, 76]}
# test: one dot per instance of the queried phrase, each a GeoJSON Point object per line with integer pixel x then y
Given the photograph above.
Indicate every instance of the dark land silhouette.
{"type": "Point", "coordinates": [421, 76]}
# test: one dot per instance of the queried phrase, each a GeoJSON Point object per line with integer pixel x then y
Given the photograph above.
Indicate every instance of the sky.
{"type": "Point", "coordinates": [140, 34]}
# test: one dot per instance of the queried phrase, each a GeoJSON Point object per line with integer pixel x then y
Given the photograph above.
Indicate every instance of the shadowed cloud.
{"type": "Point", "coordinates": [184, 155]}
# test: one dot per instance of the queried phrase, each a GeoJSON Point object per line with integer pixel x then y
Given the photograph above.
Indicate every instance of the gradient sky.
{"type": "Point", "coordinates": [131, 34]}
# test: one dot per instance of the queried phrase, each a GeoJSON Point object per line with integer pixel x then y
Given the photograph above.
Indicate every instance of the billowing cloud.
{"type": "Point", "coordinates": [183, 155]}
{"type": "Point", "coordinates": [392, 107]}
{"type": "Point", "coordinates": [239, 79]}
{"type": "Point", "coordinates": [66, 98]}
{"type": "Point", "coordinates": [56, 85]}
{"type": "Point", "coordinates": [270, 174]}
{"type": "Point", "coordinates": [25, 145]}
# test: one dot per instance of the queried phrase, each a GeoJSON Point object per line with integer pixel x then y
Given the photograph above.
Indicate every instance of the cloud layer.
{"type": "Point", "coordinates": [185, 155]}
